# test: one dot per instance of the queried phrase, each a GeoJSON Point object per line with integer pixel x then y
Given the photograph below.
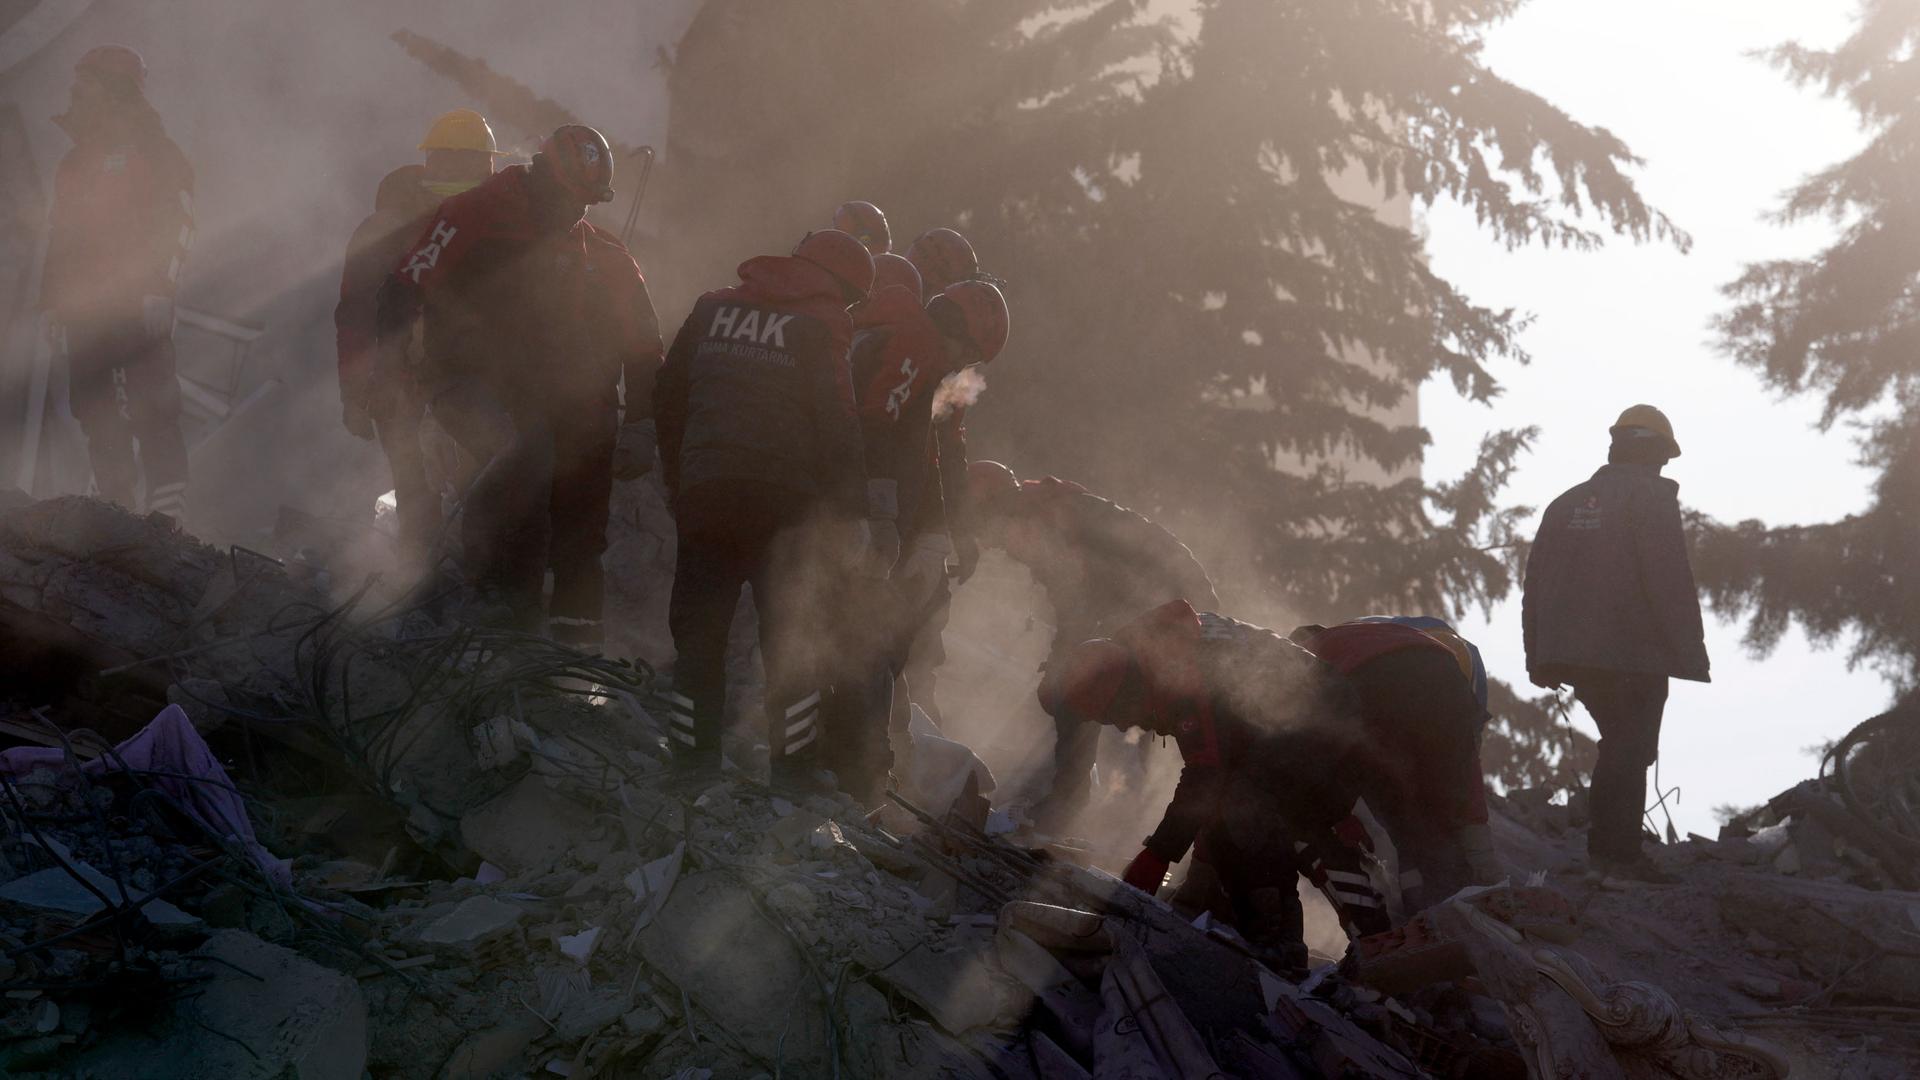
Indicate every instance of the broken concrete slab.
{"type": "Point", "coordinates": [472, 921]}
{"type": "Point", "coordinates": [263, 1013]}
{"type": "Point", "coordinates": [741, 971]}
{"type": "Point", "coordinates": [962, 987]}
{"type": "Point", "coordinates": [55, 889]}
{"type": "Point", "coordinates": [529, 826]}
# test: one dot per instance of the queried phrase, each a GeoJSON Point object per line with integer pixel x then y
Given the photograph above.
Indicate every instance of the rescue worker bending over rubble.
{"type": "Point", "coordinates": [1278, 746]}
{"type": "Point", "coordinates": [1609, 606]}
{"type": "Point", "coordinates": [900, 356]}
{"type": "Point", "coordinates": [761, 454]}
{"type": "Point", "coordinates": [459, 150]}
{"type": "Point", "coordinates": [1100, 565]}
{"type": "Point", "coordinates": [117, 240]}
{"type": "Point", "coordinates": [532, 319]}
{"type": "Point", "coordinates": [1421, 693]}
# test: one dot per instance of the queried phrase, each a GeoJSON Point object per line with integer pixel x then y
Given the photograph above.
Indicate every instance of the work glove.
{"type": "Point", "coordinates": [1352, 832]}
{"type": "Point", "coordinates": [633, 450]}
{"type": "Point", "coordinates": [967, 549]}
{"type": "Point", "coordinates": [156, 317]}
{"type": "Point", "coordinates": [1147, 872]}
{"type": "Point", "coordinates": [923, 569]}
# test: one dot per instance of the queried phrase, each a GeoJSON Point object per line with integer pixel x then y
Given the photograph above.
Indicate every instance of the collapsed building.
{"type": "Point", "coordinates": [262, 823]}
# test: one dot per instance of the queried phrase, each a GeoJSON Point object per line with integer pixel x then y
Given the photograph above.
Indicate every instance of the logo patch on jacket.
{"type": "Point", "coordinates": [1586, 516]}
{"type": "Point", "coordinates": [429, 255]}
{"type": "Point", "coordinates": [745, 324]}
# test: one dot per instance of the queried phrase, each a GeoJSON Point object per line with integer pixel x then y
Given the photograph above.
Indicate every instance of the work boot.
{"type": "Point", "coordinates": [1274, 926]}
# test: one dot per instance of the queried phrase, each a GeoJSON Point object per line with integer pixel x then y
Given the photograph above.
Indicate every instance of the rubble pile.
{"type": "Point", "coordinates": [249, 829]}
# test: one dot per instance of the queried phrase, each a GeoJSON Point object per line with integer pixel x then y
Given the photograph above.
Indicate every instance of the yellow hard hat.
{"type": "Point", "coordinates": [1648, 418]}
{"type": "Point", "coordinates": [461, 129]}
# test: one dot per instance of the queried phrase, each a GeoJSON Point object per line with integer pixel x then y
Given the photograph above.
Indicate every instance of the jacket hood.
{"type": "Point", "coordinates": [783, 279]}
{"type": "Point", "coordinates": [895, 307]}
{"type": "Point", "coordinates": [401, 190]}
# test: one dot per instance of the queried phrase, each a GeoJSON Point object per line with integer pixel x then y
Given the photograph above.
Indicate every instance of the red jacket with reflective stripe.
{"type": "Point", "coordinates": [899, 361]}
{"type": "Point", "coordinates": [553, 312]}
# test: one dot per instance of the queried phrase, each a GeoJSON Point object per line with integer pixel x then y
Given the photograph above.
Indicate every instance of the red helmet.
{"type": "Point", "coordinates": [864, 222]}
{"type": "Point", "coordinates": [974, 311]}
{"type": "Point", "coordinates": [1096, 681]}
{"type": "Point", "coordinates": [943, 257]}
{"type": "Point", "coordinates": [988, 482]}
{"type": "Point", "coordinates": [581, 161]}
{"type": "Point", "coordinates": [114, 62]}
{"type": "Point", "coordinates": [843, 257]}
{"type": "Point", "coordinates": [890, 270]}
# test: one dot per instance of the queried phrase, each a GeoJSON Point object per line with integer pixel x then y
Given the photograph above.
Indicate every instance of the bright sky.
{"type": "Point", "coordinates": [1722, 135]}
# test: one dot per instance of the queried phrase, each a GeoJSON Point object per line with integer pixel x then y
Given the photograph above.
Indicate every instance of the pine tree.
{"type": "Point", "coordinates": [1842, 326]}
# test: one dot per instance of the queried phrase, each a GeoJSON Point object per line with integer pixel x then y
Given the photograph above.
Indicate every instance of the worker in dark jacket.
{"type": "Point", "coordinates": [460, 152]}
{"type": "Point", "coordinates": [761, 452]}
{"type": "Point", "coordinates": [1100, 564]}
{"type": "Point", "coordinates": [1609, 607]}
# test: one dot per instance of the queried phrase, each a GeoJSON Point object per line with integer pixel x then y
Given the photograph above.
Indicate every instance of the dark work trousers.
{"type": "Point", "coordinates": [733, 534]}
{"type": "Point", "coordinates": [1425, 782]}
{"type": "Point", "coordinates": [416, 503]}
{"type": "Point", "coordinates": [1076, 745]}
{"type": "Point", "coordinates": [504, 525]}
{"type": "Point", "coordinates": [925, 651]}
{"type": "Point", "coordinates": [123, 389]}
{"type": "Point", "coordinates": [1250, 846]}
{"type": "Point", "coordinates": [582, 498]}
{"type": "Point", "coordinates": [1627, 708]}
{"type": "Point", "coordinates": [864, 663]}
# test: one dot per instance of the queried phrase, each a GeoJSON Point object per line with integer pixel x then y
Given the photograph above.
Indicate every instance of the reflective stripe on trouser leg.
{"type": "Point", "coordinates": [692, 730]}
{"type": "Point", "coordinates": [797, 726]}
{"type": "Point", "coordinates": [169, 499]}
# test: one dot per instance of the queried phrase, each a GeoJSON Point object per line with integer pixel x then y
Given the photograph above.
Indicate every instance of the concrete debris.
{"type": "Point", "coordinates": [473, 921]}
{"type": "Point", "coordinates": [260, 1012]}
{"type": "Point", "coordinates": [471, 863]}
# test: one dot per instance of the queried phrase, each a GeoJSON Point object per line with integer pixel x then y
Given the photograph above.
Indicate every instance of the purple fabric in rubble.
{"type": "Point", "coordinates": [170, 745]}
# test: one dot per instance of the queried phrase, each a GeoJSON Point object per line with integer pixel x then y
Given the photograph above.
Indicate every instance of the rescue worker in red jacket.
{"type": "Point", "coordinates": [902, 353]}
{"type": "Point", "coordinates": [1100, 564]}
{"type": "Point", "coordinates": [943, 258]}
{"type": "Point", "coordinates": [532, 320]}
{"type": "Point", "coordinates": [1278, 745]}
{"type": "Point", "coordinates": [864, 222]}
{"type": "Point", "coordinates": [118, 237]}
{"type": "Point", "coordinates": [1416, 689]}
{"type": "Point", "coordinates": [761, 454]}
{"type": "Point", "coordinates": [460, 152]}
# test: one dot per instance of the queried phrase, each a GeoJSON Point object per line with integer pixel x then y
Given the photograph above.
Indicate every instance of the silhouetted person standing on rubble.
{"type": "Point", "coordinates": [1609, 606]}
{"type": "Point", "coordinates": [117, 241]}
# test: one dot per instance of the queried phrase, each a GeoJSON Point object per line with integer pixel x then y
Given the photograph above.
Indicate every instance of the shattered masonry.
{"type": "Point", "coordinates": [354, 844]}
